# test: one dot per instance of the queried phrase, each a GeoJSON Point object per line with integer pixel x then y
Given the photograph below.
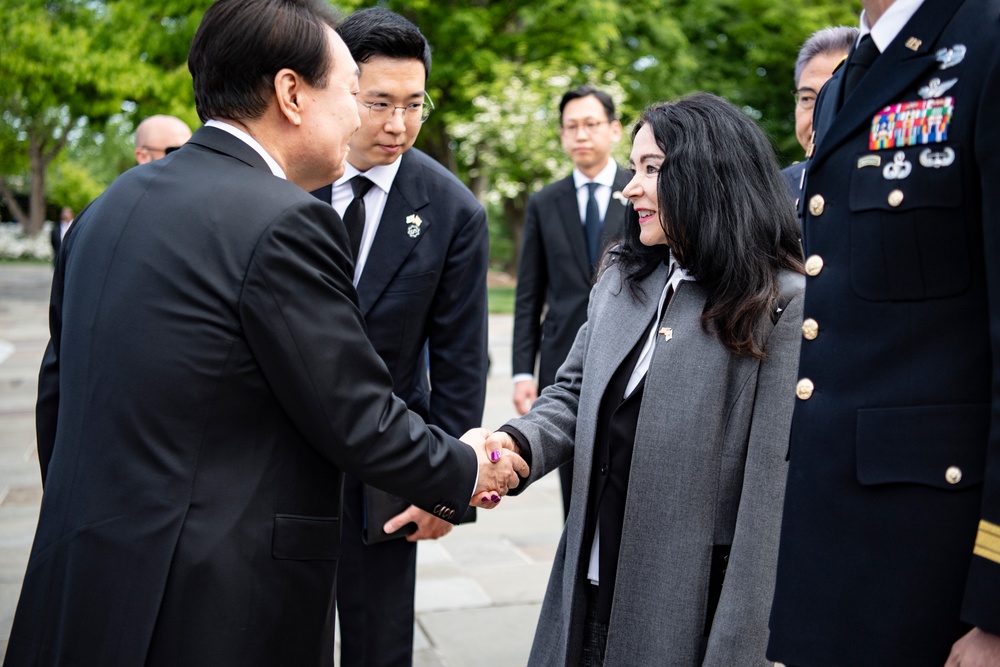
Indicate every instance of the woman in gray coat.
{"type": "Point", "coordinates": [675, 405]}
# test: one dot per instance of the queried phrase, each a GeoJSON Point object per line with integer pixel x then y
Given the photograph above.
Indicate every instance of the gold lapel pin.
{"type": "Point", "coordinates": [667, 333]}
{"type": "Point", "coordinates": [913, 43]}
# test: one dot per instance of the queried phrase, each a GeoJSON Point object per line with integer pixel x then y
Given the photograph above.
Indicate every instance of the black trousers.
{"type": "Point", "coordinates": [375, 587]}
{"type": "Point", "coordinates": [595, 633]}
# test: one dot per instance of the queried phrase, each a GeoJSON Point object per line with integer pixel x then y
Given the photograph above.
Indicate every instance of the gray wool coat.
{"type": "Point", "coordinates": [708, 469]}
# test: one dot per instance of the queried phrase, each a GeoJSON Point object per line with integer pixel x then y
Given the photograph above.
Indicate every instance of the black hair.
{"type": "Point", "coordinates": [587, 91]}
{"type": "Point", "coordinates": [725, 209]}
{"type": "Point", "coordinates": [241, 45]}
{"type": "Point", "coordinates": [376, 31]}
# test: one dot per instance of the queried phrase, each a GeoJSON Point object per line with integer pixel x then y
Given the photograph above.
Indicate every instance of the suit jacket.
{"type": "Point", "coordinates": [793, 175]}
{"type": "Point", "coordinates": [708, 470]}
{"type": "Point", "coordinates": [892, 520]}
{"type": "Point", "coordinates": [554, 272]}
{"type": "Point", "coordinates": [207, 380]}
{"type": "Point", "coordinates": [430, 290]}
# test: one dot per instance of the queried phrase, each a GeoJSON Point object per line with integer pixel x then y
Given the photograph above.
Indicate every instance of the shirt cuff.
{"type": "Point", "coordinates": [523, 377]}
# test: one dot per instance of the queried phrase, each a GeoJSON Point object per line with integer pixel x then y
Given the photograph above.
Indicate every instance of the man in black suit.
{"type": "Point", "coordinates": [208, 379]}
{"type": "Point", "coordinates": [890, 548]}
{"type": "Point", "coordinates": [567, 226]}
{"type": "Point", "coordinates": [819, 56]}
{"type": "Point", "coordinates": [59, 230]}
{"type": "Point", "coordinates": [422, 255]}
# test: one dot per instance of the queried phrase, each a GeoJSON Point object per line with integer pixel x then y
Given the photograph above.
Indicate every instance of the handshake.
{"type": "Point", "coordinates": [500, 465]}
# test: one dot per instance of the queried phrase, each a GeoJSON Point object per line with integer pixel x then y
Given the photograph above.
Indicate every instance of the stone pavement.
{"type": "Point", "coordinates": [478, 589]}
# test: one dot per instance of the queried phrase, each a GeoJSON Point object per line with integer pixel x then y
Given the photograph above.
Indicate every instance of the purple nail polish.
{"type": "Point", "coordinates": [485, 499]}
{"type": "Point", "coordinates": [495, 498]}
{"type": "Point", "coordinates": [495, 455]}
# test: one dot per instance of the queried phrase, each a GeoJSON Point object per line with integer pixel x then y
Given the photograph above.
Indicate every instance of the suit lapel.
{"type": "Point", "coordinates": [568, 212]}
{"type": "Point", "coordinates": [622, 323]}
{"type": "Point", "coordinates": [892, 73]}
{"type": "Point", "coordinates": [392, 244]}
{"type": "Point", "coordinates": [614, 219]}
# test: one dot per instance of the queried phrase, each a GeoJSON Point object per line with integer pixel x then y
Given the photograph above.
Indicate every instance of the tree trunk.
{"type": "Point", "coordinates": [12, 205]}
{"type": "Point", "coordinates": [36, 197]}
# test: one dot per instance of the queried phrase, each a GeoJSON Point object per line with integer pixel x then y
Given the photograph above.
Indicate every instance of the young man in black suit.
{"type": "Point", "coordinates": [890, 546]}
{"type": "Point", "coordinates": [421, 258]}
{"type": "Point", "coordinates": [208, 379]}
{"type": "Point", "coordinates": [566, 227]}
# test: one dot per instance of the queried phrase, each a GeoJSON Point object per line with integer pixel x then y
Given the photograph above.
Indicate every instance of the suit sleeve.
{"type": "Point", "coordinates": [549, 428]}
{"type": "Point", "coordinates": [47, 406]}
{"type": "Point", "coordinates": [457, 340]}
{"type": "Point", "coordinates": [532, 283]}
{"type": "Point", "coordinates": [301, 320]}
{"type": "Point", "coordinates": [739, 628]}
{"type": "Point", "coordinates": [982, 590]}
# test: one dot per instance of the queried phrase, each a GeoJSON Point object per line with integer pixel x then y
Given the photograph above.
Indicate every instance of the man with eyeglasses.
{"type": "Point", "coordinates": [567, 226]}
{"type": "Point", "coordinates": [158, 135]}
{"type": "Point", "coordinates": [819, 56]}
{"type": "Point", "coordinates": [421, 247]}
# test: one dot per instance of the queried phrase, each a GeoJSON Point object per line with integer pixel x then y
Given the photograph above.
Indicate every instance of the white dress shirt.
{"type": "Point", "coordinates": [252, 143]}
{"type": "Point", "coordinates": [890, 23]}
{"type": "Point", "coordinates": [605, 181]}
{"type": "Point", "coordinates": [343, 194]}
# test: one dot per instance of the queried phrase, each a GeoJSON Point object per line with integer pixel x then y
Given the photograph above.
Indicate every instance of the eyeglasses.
{"type": "Point", "coordinates": [589, 127]}
{"type": "Point", "coordinates": [805, 98]}
{"type": "Point", "coordinates": [166, 151]}
{"type": "Point", "coordinates": [382, 112]}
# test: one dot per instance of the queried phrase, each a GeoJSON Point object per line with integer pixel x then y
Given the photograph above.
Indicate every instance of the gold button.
{"type": "Point", "coordinates": [814, 265]}
{"type": "Point", "coordinates": [953, 475]}
{"type": "Point", "coordinates": [804, 389]}
{"type": "Point", "coordinates": [817, 204]}
{"type": "Point", "coordinates": [810, 329]}
{"type": "Point", "coordinates": [895, 198]}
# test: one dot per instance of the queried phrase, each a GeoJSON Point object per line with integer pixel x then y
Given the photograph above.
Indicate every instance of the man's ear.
{"type": "Point", "coordinates": [289, 90]}
{"type": "Point", "coordinates": [616, 131]}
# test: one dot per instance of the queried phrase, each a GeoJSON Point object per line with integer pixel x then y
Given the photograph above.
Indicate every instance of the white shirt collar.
{"type": "Point", "coordinates": [381, 175]}
{"type": "Point", "coordinates": [890, 23]}
{"type": "Point", "coordinates": [606, 177]}
{"type": "Point", "coordinates": [251, 142]}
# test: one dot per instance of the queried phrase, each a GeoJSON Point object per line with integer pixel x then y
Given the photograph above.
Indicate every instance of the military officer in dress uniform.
{"type": "Point", "coordinates": [890, 548]}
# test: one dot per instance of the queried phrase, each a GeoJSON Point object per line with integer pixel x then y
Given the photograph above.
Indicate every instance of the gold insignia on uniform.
{"type": "Point", "coordinates": [895, 198]}
{"type": "Point", "coordinates": [913, 43]}
{"type": "Point", "coordinates": [869, 161]}
{"type": "Point", "coordinates": [667, 333]}
{"type": "Point", "coordinates": [988, 541]}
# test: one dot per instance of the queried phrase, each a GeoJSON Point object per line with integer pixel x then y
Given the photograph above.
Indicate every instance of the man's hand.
{"type": "Point", "coordinates": [977, 648]}
{"type": "Point", "coordinates": [525, 393]}
{"type": "Point", "coordinates": [429, 527]}
{"type": "Point", "coordinates": [498, 469]}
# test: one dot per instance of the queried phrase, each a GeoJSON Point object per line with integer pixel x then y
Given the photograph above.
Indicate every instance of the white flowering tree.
{"type": "Point", "coordinates": [510, 146]}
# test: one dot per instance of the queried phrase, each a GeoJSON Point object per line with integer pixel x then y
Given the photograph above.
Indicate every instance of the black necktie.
{"type": "Point", "coordinates": [858, 65]}
{"type": "Point", "coordinates": [354, 216]}
{"type": "Point", "coordinates": [592, 224]}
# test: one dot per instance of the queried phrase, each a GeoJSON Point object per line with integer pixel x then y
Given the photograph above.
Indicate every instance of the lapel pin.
{"type": "Point", "coordinates": [913, 43]}
{"type": "Point", "coordinates": [950, 57]}
{"type": "Point", "coordinates": [617, 194]}
{"type": "Point", "coordinates": [936, 88]}
{"type": "Point", "coordinates": [413, 223]}
{"type": "Point", "coordinates": [667, 333]}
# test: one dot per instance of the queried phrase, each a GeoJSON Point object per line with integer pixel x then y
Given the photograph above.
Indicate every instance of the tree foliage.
{"type": "Point", "coordinates": [80, 74]}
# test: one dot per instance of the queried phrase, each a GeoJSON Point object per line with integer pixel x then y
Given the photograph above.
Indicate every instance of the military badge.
{"type": "Point", "coordinates": [932, 160]}
{"type": "Point", "coordinates": [936, 88]}
{"type": "Point", "coordinates": [911, 123]}
{"type": "Point", "coordinates": [950, 57]}
{"type": "Point", "coordinates": [898, 169]}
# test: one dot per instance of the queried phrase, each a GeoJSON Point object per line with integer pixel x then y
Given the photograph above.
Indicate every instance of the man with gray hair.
{"type": "Point", "coordinates": [819, 56]}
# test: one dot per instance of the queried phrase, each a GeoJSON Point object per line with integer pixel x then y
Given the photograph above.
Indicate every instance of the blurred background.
{"type": "Point", "coordinates": [77, 76]}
